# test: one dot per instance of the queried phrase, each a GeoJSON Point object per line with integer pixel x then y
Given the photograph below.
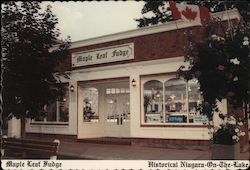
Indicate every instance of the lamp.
{"type": "Point", "coordinates": [158, 94]}
{"type": "Point", "coordinates": [71, 88]}
{"type": "Point", "coordinates": [133, 83]}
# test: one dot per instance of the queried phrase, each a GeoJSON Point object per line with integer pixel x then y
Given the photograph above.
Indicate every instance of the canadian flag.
{"type": "Point", "coordinates": [192, 13]}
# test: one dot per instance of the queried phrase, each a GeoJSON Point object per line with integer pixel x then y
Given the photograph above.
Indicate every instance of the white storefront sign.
{"type": "Point", "coordinates": [200, 119]}
{"type": "Point", "coordinates": [103, 55]}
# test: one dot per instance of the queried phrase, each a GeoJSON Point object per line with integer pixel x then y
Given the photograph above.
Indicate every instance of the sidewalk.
{"type": "Point", "coordinates": [78, 150]}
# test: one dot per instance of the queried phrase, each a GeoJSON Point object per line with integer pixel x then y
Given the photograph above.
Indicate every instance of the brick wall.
{"type": "Point", "coordinates": [148, 47]}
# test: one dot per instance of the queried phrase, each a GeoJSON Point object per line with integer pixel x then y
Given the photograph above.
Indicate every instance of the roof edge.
{"type": "Point", "coordinates": [172, 25]}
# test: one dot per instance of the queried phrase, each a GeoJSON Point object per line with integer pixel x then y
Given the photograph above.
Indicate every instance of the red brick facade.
{"type": "Point", "coordinates": [147, 47]}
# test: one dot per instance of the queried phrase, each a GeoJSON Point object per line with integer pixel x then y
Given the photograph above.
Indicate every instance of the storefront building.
{"type": "Point", "coordinates": [124, 85]}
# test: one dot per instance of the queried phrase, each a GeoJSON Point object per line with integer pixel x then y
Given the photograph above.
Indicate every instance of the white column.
{"type": "Point", "coordinates": [134, 101]}
{"type": "Point", "coordinates": [73, 108]}
{"type": "Point", "coordinates": [14, 127]}
{"type": "Point", "coordinates": [79, 107]}
{"type": "Point", "coordinates": [102, 109]}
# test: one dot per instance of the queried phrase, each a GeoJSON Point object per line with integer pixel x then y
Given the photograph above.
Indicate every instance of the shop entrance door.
{"type": "Point", "coordinates": [118, 115]}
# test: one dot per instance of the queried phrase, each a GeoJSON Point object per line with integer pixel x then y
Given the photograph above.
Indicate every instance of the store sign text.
{"type": "Point", "coordinates": [105, 55]}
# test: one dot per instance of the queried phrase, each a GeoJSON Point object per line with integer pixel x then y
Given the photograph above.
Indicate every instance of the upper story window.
{"type": "Point", "coordinates": [173, 100]}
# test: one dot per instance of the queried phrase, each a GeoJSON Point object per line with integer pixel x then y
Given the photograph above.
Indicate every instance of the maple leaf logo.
{"type": "Point", "coordinates": [189, 14]}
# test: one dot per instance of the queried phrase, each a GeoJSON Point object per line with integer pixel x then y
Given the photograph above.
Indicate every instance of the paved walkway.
{"type": "Point", "coordinates": [78, 150]}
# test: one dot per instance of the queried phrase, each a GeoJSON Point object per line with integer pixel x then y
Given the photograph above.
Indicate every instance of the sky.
{"type": "Point", "coordinates": [84, 20]}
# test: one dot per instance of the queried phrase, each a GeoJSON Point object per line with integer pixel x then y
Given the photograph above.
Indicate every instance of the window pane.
{"type": "Point", "coordinates": [51, 112]}
{"type": "Point", "coordinates": [153, 98]}
{"type": "Point", "coordinates": [195, 99]}
{"type": "Point", "coordinates": [108, 91]}
{"type": "Point", "coordinates": [90, 104]}
{"type": "Point", "coordinates": [64, 108]}
{"type": "Point", "coordinates": [112, 110]}
{"type": "Point", "coordinates": [175, 101]}
{"type": "Point", "coordinates": [126, 109]}
{"type": "Point", "coordinates": [122, 90]}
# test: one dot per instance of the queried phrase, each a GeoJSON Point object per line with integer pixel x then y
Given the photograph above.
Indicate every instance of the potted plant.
{"type": "Point", "coordinates": [226, 138]}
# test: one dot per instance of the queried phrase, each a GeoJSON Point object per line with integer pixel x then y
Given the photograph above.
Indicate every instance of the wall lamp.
{"type": "Point", "coordinates": [71, 88]}
{"type": "Point", "coordinates": [133, 83]}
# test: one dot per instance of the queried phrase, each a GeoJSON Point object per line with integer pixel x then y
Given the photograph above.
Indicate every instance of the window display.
{"type": "Point", "coordinates": [57, 111]}
{"type": "Point", "coordinates": [153, 101]}
{"type": "Point", "coordinates": [90, 105]}
{"type": "Point", "coordinates": [171, 101]}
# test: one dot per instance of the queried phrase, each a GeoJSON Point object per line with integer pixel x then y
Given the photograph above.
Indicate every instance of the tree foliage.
{"type": "Point", "coordinates": [221, 63]}
{"type": "Point", "coordinates": [212, 62]}
{"type": "Point", "coordinates": [31, 50]}
{"type": "Point", "coordinates": [162, 14]}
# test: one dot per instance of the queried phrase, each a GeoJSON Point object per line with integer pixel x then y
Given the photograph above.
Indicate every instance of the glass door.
{"type": "Point", "coordinates": [118, 115]}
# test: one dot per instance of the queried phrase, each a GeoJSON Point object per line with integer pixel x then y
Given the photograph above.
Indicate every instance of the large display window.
{"type": "Point", "coordinates": [56, 111]}
{"type": "Point", "coordinates": [170, 101]}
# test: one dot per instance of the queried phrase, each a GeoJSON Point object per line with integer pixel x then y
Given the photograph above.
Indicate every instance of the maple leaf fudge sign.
{"type": "Point", "coordinates": [103, 55]}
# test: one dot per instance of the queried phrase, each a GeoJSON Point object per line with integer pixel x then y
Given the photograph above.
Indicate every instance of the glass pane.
{"type": "Point", "coordinates": [51, 112]}
{"type": "Point", "coordinates": [108, 91]}
{"type": "Point", "coordinates": [111, 110]}
{"type": "Point", "coordinates": [64, 108]}
{"type": "Point", "coordinates": [153, 98]}
{"type": "Point", "coordinates": [195, 100]}
{"type": "Point", "coordinates": [122, 90]}
{"type": "Point", "coordinates": [126, 108]}
{"type": "Point", "coordinates": [113, 91]}
{"type": "Point", "coordinates": [175, 100]}
{"type": "Point", "coordinates": [90, 104]}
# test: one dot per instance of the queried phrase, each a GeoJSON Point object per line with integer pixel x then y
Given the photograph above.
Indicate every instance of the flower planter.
{"type": "Point", "coordinates": [225, 152]}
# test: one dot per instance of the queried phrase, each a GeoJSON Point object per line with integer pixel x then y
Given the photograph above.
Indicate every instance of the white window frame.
{"type": "Point", "coordinates": [45, 121]}
{"type": "Point", "coordinates": [163, 79]}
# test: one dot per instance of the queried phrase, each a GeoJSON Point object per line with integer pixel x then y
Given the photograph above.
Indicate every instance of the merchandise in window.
{"type": "Point", "coordinates": [153, 101]}
{"type": "Point", "coordinates": [90, 105]}
{"type": "Point", "coordinates": [171, 101]}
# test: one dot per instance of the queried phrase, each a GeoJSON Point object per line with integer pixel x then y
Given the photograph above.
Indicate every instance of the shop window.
{"type": "Point", "coordinates": [153, 101]}
{"type": "Point", "coordinates": [57, 111]}
{"type": "Point", "coordinates": [51, 112]}
{"type": "Point", "coordinates": [174, 101]}
{"type": "Point", "coordinates": [194, 101]}
{"type": "Point", "coordinates": [90, 105]}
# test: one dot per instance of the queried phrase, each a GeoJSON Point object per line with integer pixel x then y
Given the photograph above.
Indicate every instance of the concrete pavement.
{"type": "Point", "coordinates": [78, 150]}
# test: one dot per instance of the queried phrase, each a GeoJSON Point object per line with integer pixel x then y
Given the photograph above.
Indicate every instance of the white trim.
{"type": "Point", "coordinates": [224, 15]}
{"type": "Point", "coordinates": [103, 55]}
{"type": "Point", "coordinates": [141, 63]}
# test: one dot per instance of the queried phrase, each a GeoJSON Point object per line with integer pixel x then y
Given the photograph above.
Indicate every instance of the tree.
{"type": "Point", "coordinates": [162, 14]}
{"type": "Point", "coordinates": [31, 51]}
{"type": "Point", "coordinates": [221, 63]}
